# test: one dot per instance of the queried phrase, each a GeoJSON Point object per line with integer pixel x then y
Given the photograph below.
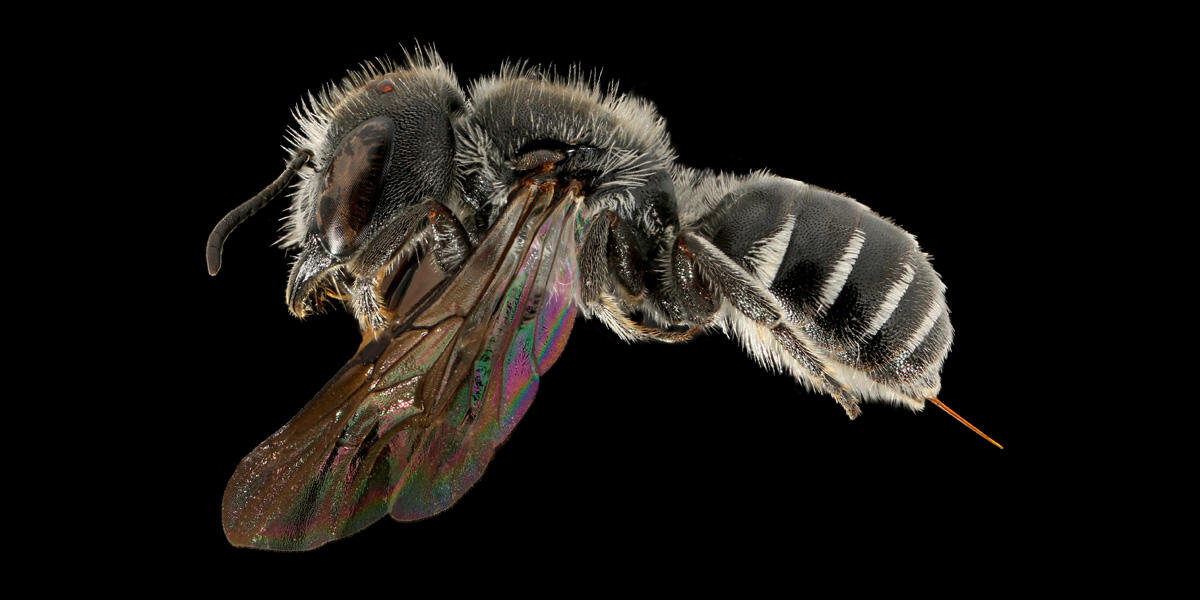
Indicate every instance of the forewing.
{"type": "Point", "coordinates": [410, 423]}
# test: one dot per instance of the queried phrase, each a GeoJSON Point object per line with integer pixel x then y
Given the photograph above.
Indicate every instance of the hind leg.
{"type": "Point", "coordinates": [704, 272]}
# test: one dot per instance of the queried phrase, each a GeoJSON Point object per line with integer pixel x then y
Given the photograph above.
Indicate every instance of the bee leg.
{"type": "Point", "coordinates": [800, 349]}
{"type": "Point", "coordinates": [433, 222]}
{"type": "Point", "coordinates": [760, 322]}
{"type": "Point", "coordinates": [594, 279]}
{"type": "Point", "coordinates": [609, 253]}
{"type": "Point", "coordinates": [687, 295]}
{"type": "Point", "coordinates": [367, 306]}
{"type": "Point", "coordinates": [596, 289]}
{"type": "Point", "coordinates": [449, 240]}
{"type": "Point", "coordinates": [721, 276]}
{"type": "Point", "coordinates": [624, 258]}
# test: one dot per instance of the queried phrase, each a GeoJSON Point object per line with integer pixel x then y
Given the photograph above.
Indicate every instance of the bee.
{"type": "Point", "coordinates": [465, 233]}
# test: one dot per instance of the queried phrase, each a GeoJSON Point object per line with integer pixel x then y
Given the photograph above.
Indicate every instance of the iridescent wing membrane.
{"type": "Point", "coordinates": [411, 422]}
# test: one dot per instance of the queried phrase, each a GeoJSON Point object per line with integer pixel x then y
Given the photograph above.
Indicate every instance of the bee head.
{"type": "Point", "coordinates": [382, 144]}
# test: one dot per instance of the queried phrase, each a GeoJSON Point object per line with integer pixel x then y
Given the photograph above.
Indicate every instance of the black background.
{"type": "Point", "coordinates": [637, 454]}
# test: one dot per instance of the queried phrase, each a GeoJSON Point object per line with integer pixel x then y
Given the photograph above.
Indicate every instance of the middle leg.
{"type": "Point", "coordinates": [613, 275]}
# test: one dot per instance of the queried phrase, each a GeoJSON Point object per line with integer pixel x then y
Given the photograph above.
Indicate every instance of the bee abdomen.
{"type": "Point", "coordinates": [857, 284]}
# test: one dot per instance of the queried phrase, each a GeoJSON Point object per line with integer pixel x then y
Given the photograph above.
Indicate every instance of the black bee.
{"type": "Point", "coordinates": [466, 232]}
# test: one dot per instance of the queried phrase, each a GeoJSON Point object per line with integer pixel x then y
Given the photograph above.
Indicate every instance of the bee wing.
{"type": "Point", "coordinates": [411, 422]}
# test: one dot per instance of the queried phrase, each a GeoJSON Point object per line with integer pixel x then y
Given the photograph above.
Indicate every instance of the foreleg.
{"type": "Point", "coordinates": [432, 226]}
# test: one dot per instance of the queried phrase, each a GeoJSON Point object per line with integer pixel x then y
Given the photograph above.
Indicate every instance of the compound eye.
{"type": "Point", "coordinates": [352, 183]}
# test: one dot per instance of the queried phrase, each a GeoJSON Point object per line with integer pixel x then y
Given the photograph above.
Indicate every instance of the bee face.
{"type": "Point", "coordinates": [382, 143]}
